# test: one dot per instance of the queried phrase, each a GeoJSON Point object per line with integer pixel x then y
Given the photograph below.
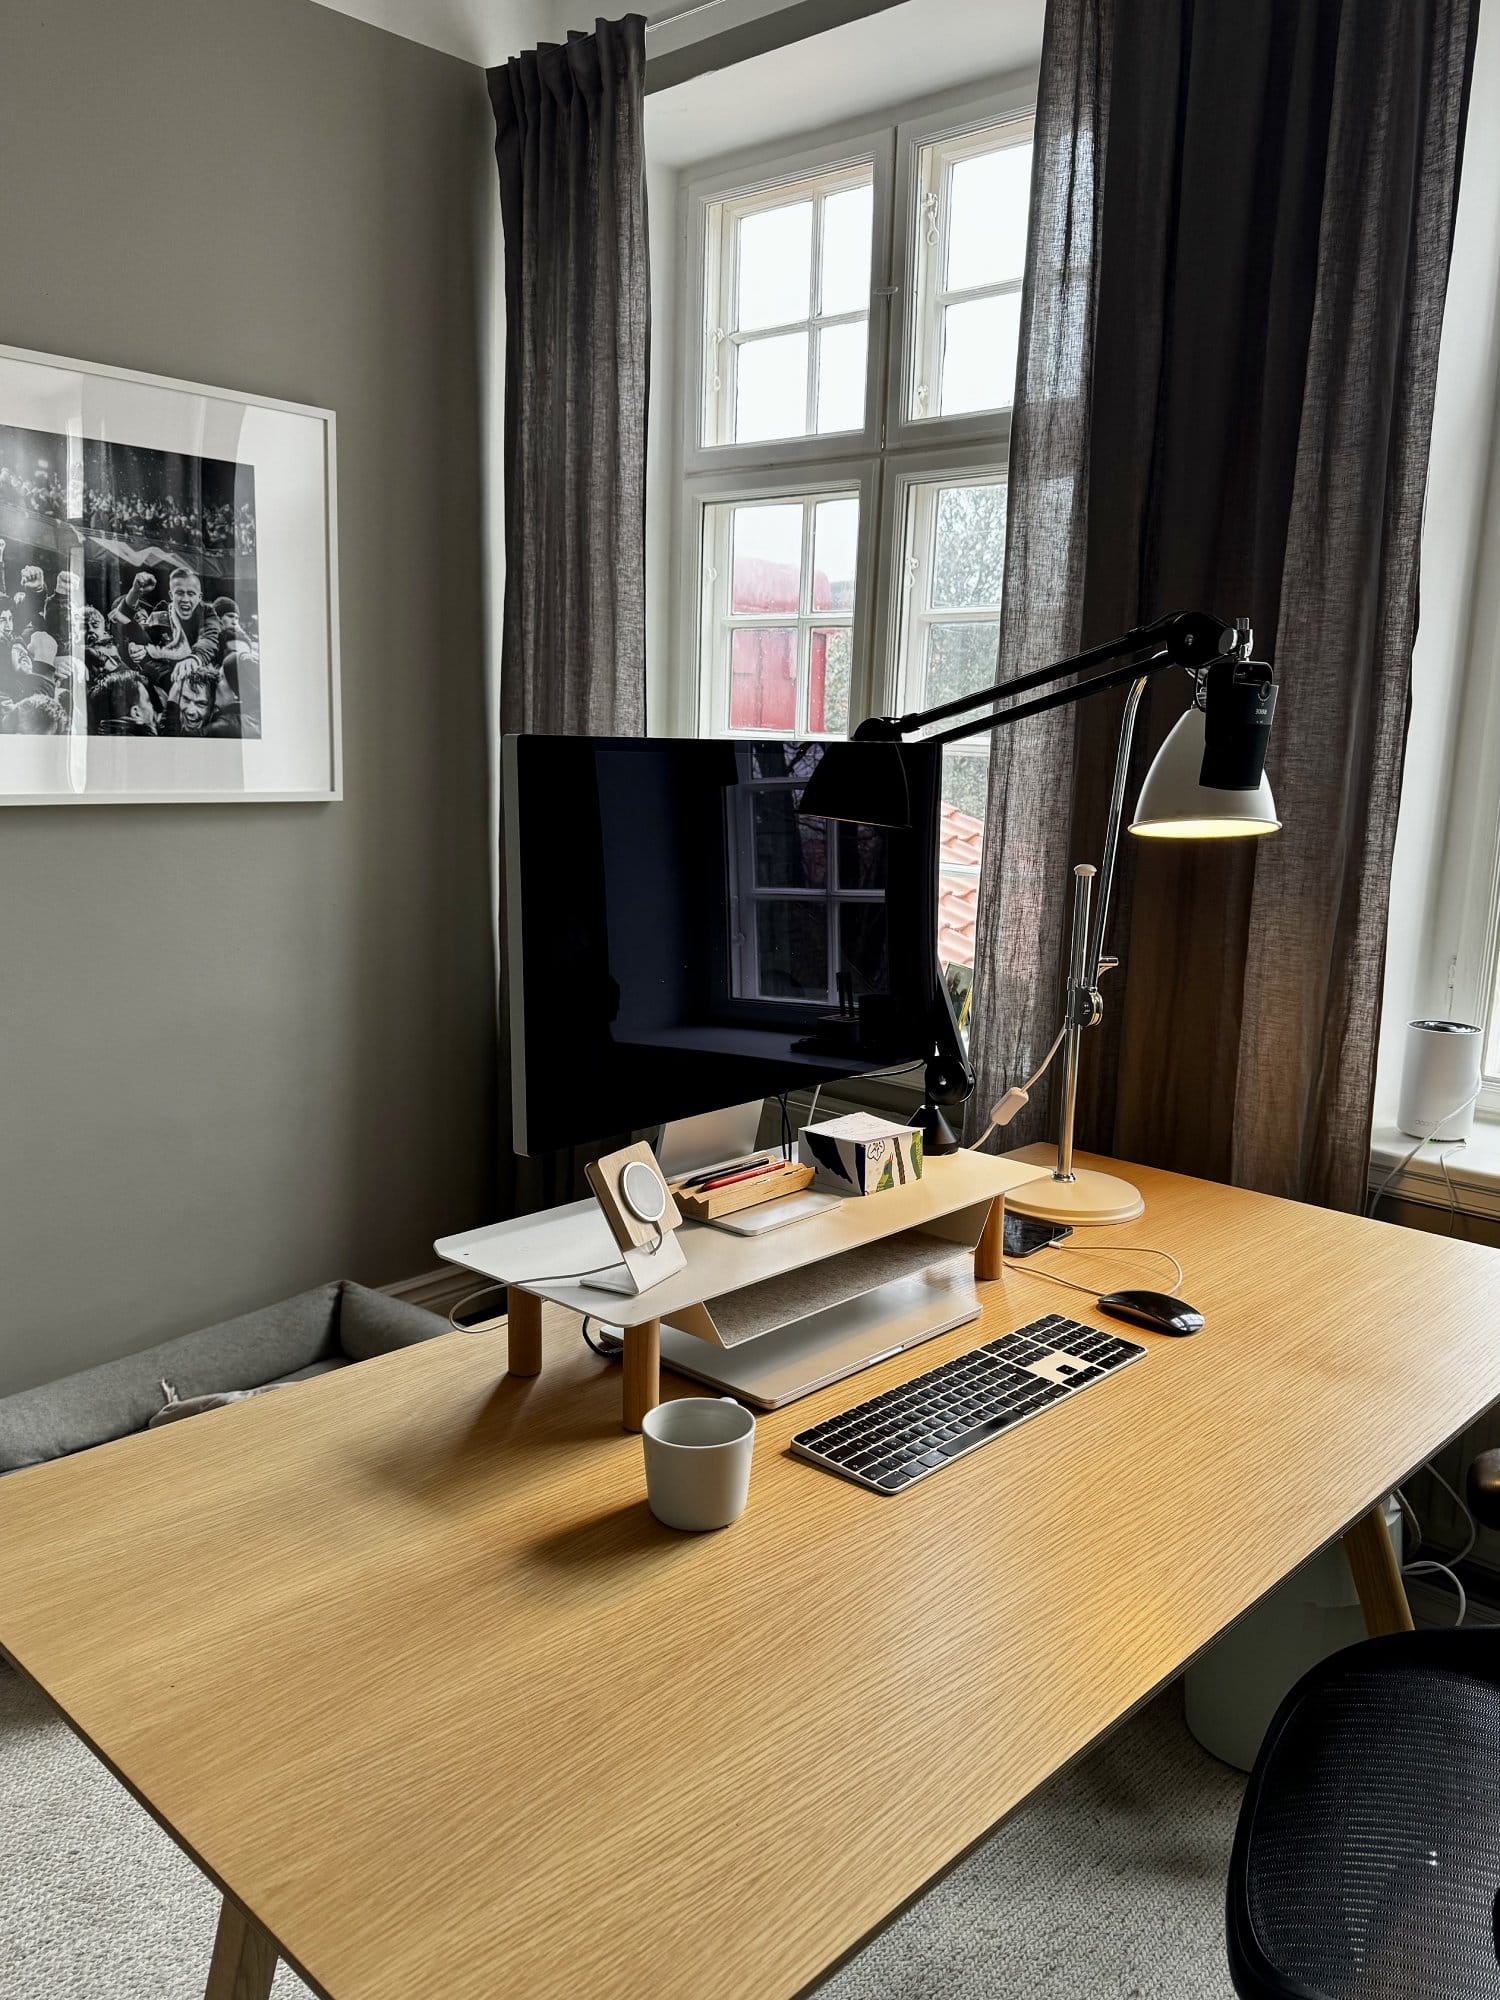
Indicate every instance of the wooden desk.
{"type": "Point", "coordinates": [401, 1659]}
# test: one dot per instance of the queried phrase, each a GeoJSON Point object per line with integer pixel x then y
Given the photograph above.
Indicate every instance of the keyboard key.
{"type": "Point", "coordinates": [966, 1440]}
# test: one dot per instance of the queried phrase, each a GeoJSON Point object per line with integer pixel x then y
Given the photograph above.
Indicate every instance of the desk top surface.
{"type": "Point", "coordinates": [401, 1658]}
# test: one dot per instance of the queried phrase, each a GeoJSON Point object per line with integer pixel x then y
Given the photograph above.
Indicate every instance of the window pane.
{"type": "Point", "coordinates": [781, 760]}
{"type": "Point", "coordinates": [979, 341]}
{"type": "Point", "coordinates": [961, 659]}
{"type": "Point", "coordinates": [988, 197]}
{"type": "Point", "coordinates": [861, 947]}
{"type": "Point", "coordinates": [841, 376]}
{"type": "Point", "coordinates": [763, 678]}
{"type": "Point", "coordinates": [767, 564]}
{"type": "Point", "coordinates": [861, 856]}
{"type": "Point", "coordinates": [774, 275]}
{"type": "Point", "coordinates": [770, 390]}
{"type": "Point", "coordinates": [835, 545]}
{"type": "Point", "coordinates": [829, 658]}
{"type": "Point", "coordinates": [792, 940]}
{"type": "Point", "coordinates": [968, 563]}
{"type": "Point", "coordinates": [966, 781]}
{"type": "Point", "coordinates": [790, 853]}
{"type": "Point", "coordinates": [845, 282]}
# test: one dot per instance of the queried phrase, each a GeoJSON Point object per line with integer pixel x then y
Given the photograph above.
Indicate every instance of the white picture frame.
{"type": "Point", "coordinates": [179, 550]}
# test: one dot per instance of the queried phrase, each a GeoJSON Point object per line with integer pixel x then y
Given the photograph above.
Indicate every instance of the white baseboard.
{"type": "Point", "coordinates": [439, 1291]}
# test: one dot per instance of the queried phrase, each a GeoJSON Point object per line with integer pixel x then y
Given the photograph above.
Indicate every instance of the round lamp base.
{"type": "Point", "coordinates": [1090, 1197]}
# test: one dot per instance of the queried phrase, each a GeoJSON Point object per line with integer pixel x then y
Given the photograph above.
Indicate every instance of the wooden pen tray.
{"type": "Point", "coordinates": [790, 1179]}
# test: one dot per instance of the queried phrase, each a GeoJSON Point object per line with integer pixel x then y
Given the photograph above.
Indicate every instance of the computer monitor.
{"type": "Point", "coordinates": [680, 939]}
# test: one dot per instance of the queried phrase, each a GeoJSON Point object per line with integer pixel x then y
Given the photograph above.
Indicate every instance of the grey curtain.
{"type": "Point", "coordinates": [569, 145]}
{"type": "Point", "coordinates": [1240, 233]}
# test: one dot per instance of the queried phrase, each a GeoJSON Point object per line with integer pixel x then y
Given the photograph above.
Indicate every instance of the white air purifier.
{"type": "Point", "coordinates": [1440, 1079]}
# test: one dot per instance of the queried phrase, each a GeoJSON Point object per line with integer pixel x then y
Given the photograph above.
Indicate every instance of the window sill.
{"type": "Point", "coordinates": [1473, 1167]}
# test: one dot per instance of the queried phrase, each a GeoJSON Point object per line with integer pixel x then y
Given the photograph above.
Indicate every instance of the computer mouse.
{"type": "Point", "coordinates": [1158, 1310]}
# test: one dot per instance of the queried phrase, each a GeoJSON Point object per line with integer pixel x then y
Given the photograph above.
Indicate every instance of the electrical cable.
{"type": "Point", "coordinates": [1101, 1250]}
{"type": "Point", "coordinates": [468, 1299]}
{"type": "Point", "coordinates": [1403, 1163]}
{"type": "Point", "coordinates": [1017, 1097]}
{"type": "Point", "coordinates": [1431, 1565]}
{"type": "Point", "coordinates": [604, 1353]}
{"type": "Point", "coordinates": [897, 1069]}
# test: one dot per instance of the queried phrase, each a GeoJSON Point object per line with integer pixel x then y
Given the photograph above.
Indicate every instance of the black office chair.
{"type": "Point", "coordinates": [1367, 1858]}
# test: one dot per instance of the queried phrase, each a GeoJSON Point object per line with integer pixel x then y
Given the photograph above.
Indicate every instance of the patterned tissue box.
{"type": "Point", "coordinates": [861, 1154]}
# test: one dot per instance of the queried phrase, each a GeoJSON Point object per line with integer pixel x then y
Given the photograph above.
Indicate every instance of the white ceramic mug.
{"type": "Point", "coordinates": [698, 1451]}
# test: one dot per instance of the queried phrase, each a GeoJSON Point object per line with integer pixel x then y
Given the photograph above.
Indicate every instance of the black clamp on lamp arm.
{"type": "Point", "coordinates": [1207, 780]}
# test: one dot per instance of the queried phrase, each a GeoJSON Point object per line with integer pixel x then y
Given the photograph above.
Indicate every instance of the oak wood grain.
{"type": "Point", "coordinates": [244, 1960]}
{"type": "Point", "coordinates": [523, 1322]}
{"type": "Point", "coordinates": [989, 1252]}
{"type": "Point", "coordinates": [1377, 1576]}
{"type": "Point", "coordinates": [401, 1656]}
{"type": "Point", "coordinates": [642, 1371]}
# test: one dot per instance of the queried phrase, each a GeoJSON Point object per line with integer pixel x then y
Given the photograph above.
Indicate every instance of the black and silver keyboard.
{"type": "Point", "coordinates": [894, 1440]}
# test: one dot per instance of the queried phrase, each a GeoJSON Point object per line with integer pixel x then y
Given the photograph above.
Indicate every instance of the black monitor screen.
{"type": "Point", "coordinates": [680, 939]}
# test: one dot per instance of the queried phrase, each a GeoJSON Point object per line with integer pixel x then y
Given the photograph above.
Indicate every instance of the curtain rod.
{"type": "Point", "coordinates": [682, 14]}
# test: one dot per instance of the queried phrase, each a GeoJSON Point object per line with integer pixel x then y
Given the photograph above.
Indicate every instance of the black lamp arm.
{"type": "Point", "coordinates": [1192, 639]}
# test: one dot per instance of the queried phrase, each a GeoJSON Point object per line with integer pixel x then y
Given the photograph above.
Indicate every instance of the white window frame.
{"type": "Point", "coordinates": [746, 895]}
{"type": "Point", "coordinates": [720, 363]}
{"type": "Point", "coordinates": [888, 449]}
{"type": "Point", "coordinates": [764, 181]}
{"type": "Point", "coordinates": [1464, 938]}
{"type": "Point", "coordinates": [698, 616]}
{"type": "Point", "coordinates": [920, 281]}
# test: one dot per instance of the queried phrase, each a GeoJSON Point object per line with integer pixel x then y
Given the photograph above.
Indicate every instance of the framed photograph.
{"type": "Point", "coordinates": [168, 591]}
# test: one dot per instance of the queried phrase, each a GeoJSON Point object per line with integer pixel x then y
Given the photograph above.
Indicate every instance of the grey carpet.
{"type": "Point", "coordinates": [1109, 1886]}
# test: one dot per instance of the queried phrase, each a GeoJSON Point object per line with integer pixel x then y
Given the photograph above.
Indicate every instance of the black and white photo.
{"type": "Point", "coordinates": [128, 599]}
{"type": "Point", "coordinates": [168, 624]}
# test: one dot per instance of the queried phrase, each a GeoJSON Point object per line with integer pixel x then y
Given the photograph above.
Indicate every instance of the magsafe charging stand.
{"type": "Point", "coordinates": [643, 1219]}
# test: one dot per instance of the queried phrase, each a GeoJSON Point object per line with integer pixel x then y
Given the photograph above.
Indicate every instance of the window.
{"type": "Point", "coordinates": [787, 310]}
{"type": "Point", "coordinates": [971, 211]}
{"type": "Point", "coordinates": [809, 903]}
{"type": "Point", "coordinates": [778, 607]}
{"type": "Point", "coordinates": [850, 326]}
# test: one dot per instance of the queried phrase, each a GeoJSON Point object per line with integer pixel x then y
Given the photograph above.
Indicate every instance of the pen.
{"type": "Point", "coordinates": [755, 1173]}
{"type": "Point", "coordinates": [716, 1173]}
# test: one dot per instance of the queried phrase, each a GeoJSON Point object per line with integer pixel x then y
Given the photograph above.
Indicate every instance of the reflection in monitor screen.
{"type": "Point", "coordinates": [681, 939]}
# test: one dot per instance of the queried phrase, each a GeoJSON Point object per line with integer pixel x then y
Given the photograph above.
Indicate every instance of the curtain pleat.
{"type": "Point", "coordinates": [1240, 232]}
{"type": "Point", "coordinates": [571, 157]}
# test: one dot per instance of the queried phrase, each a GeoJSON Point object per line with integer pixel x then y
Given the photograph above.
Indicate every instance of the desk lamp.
{"type": "Point", "coordinates": [1206, 782]}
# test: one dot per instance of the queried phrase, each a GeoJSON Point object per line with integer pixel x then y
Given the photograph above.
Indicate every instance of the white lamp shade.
{"type": "Point", "coordinates": [1174, 806]}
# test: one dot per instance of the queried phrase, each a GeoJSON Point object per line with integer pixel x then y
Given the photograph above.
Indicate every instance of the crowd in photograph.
{"type": "Point", "coordinates": [145, 660]}
{"type": "Point", "coordinates": [221, 527]}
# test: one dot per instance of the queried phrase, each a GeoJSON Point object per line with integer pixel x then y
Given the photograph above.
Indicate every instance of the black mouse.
{"type": "Point", "coordinates": [1158, 1310]}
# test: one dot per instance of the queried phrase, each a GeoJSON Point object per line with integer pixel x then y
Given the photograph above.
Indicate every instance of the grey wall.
{"type": "Point", "coordinates": [249, 1047]}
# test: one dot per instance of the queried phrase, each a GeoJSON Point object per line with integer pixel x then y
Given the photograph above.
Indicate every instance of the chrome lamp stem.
{"type": "Point", "coordinates": [1086, 960]}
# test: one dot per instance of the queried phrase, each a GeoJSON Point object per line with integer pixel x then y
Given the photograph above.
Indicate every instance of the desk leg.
{"type": "Point", "coordinates": [642, 1372]}
{"type": "Point", "coordinates": [244, 1961]}
{"type": "Point", "coordinates": [523, 1333]}
{"type": "Point", "coordinates": [1377, 1576]}
{"type": "Point", "coordinates": [989, 1251]}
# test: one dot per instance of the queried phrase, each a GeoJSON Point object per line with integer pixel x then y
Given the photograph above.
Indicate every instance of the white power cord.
{"type": "Point", "coordinates": [1429, 1565]}
{"type": "Point", "coordinates": [1102, 1250]}
{"type": "Point", "coordinates": [1016, 1099]}
{"type": "Point", "coordinates": [1405, 1161]}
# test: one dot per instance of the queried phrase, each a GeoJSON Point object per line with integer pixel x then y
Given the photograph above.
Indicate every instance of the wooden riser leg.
{"type": "Point", "coordinates": [642, 1372]}
{"type": "Point", "coordinates": [523, 1333]}
{"type": "Point", "coordinates": [1377, 1576]}
{"type": "Point", "coordinates": [989, 1252]}
{"type": "Point", "coordinates": [244, 1961]}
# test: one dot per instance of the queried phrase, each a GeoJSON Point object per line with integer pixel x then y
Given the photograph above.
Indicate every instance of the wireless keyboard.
{"type": "Point", "coordinates": [892, 1441]}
